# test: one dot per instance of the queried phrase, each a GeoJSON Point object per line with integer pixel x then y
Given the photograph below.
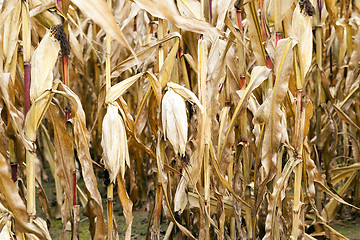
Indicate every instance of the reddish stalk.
{"type": "Point", "coordinates": [239, 20]}
{"type": "Point", "coordinates": [242, 82]}
{"type": "Point", "coordinates": [27, 82]}
{"type": "Point", "coordinates": [65, 68]}
{"type": "Point", "coordinates": [262, 21]}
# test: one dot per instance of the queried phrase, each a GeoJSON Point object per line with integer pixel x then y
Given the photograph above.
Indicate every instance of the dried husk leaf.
{"type": "Point", "coordinates": [270, 111]}
{"type": "Point", "coordinates": [42, 65]}
{"type": "Point", "coordinates": [36, 114]}
{"type": "Point", "coordinates": [302, 32]}
{"type": "Point", "coordinates": [180, 198]}
{"type": "Point", "coordinates": [174, 120]}
{"type": "Point", "coordinates": [10, 34]}
{"type": "Point", "coordinates": [114, 143]}
{"type": "Point", "coordinates": [186, 94]}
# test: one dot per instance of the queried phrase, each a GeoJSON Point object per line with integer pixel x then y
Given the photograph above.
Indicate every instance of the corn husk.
{"type": "Point", "coordinates": [174, 120]}
{"type": "Point", "coordinates": [114, 143]}
{"type": "Point", "coordinates": [43, 62]}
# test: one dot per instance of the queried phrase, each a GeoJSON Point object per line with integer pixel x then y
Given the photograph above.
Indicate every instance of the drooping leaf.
{"type": "Point", "coordinates": [270, 111]}
{"type": "Point", "coordinates": [100, 13]}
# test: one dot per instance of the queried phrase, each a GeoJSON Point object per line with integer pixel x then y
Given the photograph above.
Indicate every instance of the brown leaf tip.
{"type": "Point", "coordinates": [58, 32]}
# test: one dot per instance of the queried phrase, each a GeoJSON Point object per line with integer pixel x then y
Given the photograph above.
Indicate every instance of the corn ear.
{"type": "Point", "coordinates": [114, 143]}
{"type": "Point", "coordinates": [174, 120]}
{"type": "Point", "coordinates": [43, 62]}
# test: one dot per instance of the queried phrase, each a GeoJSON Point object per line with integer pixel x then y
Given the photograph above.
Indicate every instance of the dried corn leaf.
{"type": "Point", "coordinates": [332, 10]}
{"type": "Point", "coordinates": [276, 197]}
{"type": "Point", "coordinates": [255, 35]}
{"type": "Point", "coordinates": [167, 10]}
{"type": "Point", "coordinates": [180, 198]}
{"type": "Point", "coordinates": [7, 9]}
{"type": "Point", "coordinates": [270, 111]}
{"type": "Point", "coordinates": [64, 161]}
{"type": "Point", "coordinates": [127, 205]}
{"type": "Point", "coordinates": [100, 13]}
{"type": "Point", "coordinates": [118, 89]}
{"type": "Point", "coordinates": [16, 116]}
{"type": "Point", "coordinates": [142, 54]}
{"type": "Point", "coordinates": [48, 18]}
{"type": "Point", "coordinates": [258, 75]}
{"type": "Point", "coordinates": [160, 172]}
{"type": "Point", "coordinates": [166, 70]}
{"type": "Point", "coordinates": [82, 142]}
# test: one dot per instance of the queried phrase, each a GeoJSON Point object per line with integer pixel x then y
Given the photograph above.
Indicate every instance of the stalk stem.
{"type": "Point", "coordinates": [27, 82]}
{"type": "Point", "coordinates": [110, 200]}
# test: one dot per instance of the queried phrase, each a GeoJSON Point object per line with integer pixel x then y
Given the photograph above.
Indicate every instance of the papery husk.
{"type": "Point", "coordinates": [114, 143]}
{"type": "Point", "coordinates": [302, 31]}
{"type": "Point", "coordinates": [186, 94]}
{"type": "Point", "coordinates": [180, 198]}
{"type": "Point", "coordinates": [10, 34]}
{"type": "Point", "coordinates": [174, 121]}
{"type": "Point", "coordinates": [42, 65]}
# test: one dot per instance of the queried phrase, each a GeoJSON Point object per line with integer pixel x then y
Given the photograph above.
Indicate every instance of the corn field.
{"type": "Point", "coordinates": [223, 119]}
